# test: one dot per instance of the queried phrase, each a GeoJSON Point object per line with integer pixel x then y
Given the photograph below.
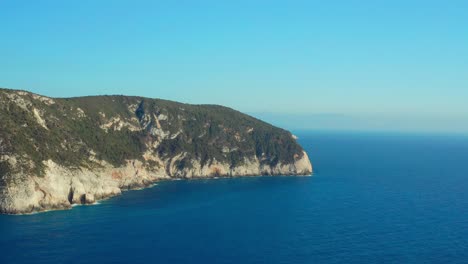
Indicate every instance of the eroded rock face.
{"type": "Point", "coordinates": [58, 152]}
{"type": "Point", "coordinates": [62, 187]}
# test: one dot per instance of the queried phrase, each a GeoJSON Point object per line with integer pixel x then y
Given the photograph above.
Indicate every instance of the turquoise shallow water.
{"type": "Point", "coordinates": [374, 198]}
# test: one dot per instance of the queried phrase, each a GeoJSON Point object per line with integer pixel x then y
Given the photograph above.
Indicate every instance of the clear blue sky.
{"type": "Point", "coordinates": [401, 63]}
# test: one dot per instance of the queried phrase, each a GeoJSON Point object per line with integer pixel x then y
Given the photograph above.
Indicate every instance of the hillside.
{"type": "Point", "coordinates": [55, 152]}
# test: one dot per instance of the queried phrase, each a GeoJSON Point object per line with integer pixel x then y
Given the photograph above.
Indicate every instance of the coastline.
{"type": "Point", "coordinates": [144, 187]}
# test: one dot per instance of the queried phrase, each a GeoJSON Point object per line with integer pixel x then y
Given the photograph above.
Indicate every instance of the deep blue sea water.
{"type": "Point", "coordinates": [374, 198]}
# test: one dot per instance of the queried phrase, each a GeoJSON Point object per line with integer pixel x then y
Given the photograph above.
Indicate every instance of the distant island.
{"type": "Point", "coordinates": [56, 152]}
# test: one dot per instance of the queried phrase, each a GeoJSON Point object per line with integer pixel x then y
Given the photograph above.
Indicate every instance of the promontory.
{"type": "Point", "coordinates": [56, 152]}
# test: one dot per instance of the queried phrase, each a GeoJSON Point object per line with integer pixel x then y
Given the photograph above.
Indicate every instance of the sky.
{"type": "Point", "coordinates": [360, 65]}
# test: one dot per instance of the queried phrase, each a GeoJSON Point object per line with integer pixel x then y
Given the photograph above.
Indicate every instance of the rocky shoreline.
{"type": "Point", "coordinates": [61, 188]}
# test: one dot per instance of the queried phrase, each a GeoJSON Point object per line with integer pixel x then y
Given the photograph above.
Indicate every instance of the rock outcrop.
{"type": "Point", "coordinates": [58, 152]}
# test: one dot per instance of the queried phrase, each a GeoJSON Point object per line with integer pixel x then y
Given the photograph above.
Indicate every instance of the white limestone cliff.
{"type": "Point", "coordinates": [62, 187]}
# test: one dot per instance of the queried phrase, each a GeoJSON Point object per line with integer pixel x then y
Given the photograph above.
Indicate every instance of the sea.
{"type": "Point", "coordinates": [373, 198]}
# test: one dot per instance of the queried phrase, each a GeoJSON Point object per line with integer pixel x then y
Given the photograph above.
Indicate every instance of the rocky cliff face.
{"type": "Point", "coordinates": [58, 152]}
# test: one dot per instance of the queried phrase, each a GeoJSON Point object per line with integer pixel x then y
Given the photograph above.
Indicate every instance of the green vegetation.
{"type": "Point", "coordinates": [78, 128]}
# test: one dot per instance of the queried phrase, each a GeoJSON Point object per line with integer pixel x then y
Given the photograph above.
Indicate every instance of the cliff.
{"type": "Point", "coordinates": [55, 152]}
